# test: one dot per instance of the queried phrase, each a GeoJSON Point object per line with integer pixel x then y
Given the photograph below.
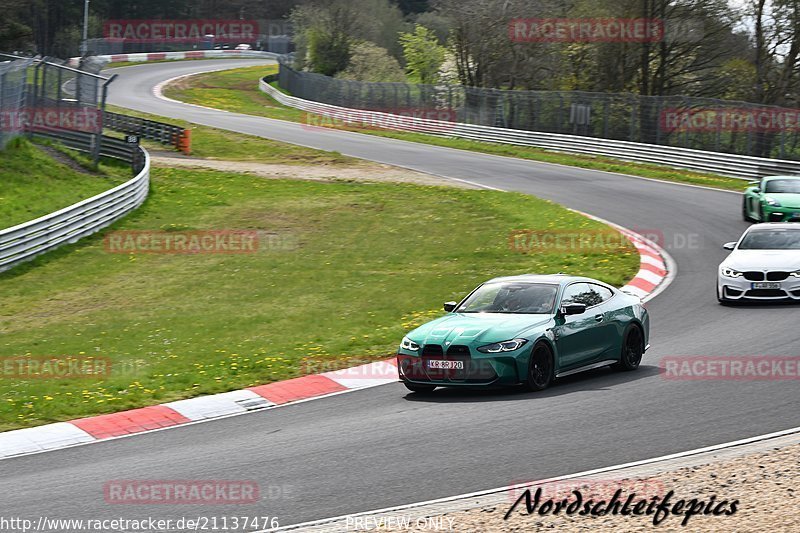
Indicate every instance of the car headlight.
{"type": "Point", "coordinates": [795, 274]}
{"type": "Point", "coordinates": [731, 273]}
{"type": "Point", "coordinates": [772, 201]}
{"type": "Point", "coordinates": [505, 346]}
{"type": "Point", "coordinates": [408, 344]}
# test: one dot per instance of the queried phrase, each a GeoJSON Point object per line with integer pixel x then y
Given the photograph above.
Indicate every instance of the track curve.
{"type": "Point", "coordinates": [380, 447]}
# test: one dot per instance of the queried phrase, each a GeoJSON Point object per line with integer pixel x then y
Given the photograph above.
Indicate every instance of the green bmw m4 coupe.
{"type": "Point", "coordinates": [528, 329]}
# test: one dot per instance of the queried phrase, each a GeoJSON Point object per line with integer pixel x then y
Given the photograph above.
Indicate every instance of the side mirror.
{"type": "Point", "coordinates": [450, 306]}
{"type": "Point", "coordinates": [729, 245]}
{"type": "Point", "coordinates": [757, 190]}
{"type": "Point", "coordinates": [573, 309]}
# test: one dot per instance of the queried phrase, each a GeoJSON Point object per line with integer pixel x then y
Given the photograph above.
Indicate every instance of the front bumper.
{"type": "Point", "coordinates": [781, 214]}
{"type": "Point", "coordinates": [742, 289]}
{"type": "Point", "coordinates": [477, 370]}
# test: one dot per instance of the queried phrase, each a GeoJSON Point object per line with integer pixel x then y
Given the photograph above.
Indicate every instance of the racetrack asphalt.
{"type": "Point", "coordinates": [383, 447]}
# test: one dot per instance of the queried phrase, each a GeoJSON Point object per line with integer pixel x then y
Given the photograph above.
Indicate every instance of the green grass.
{"type": "Point", "coordinates": [237, 90]}
{"type": "Point", "coordinates": [213, 143]}
{"type": "Point", "coordinates": [366, 263]}
{"type": "Point", "coordinates": [33, 183]}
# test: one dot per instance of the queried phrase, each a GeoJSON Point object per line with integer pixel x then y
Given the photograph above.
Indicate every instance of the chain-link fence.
{"type": "Point", "coordinates": [13, 94]}
{"type": "Point", "coordinates": [55, 83]}
{"type": "Point", "coordinates": [689, 122]}
{"type": "Point", "coordinates": [45, 95]}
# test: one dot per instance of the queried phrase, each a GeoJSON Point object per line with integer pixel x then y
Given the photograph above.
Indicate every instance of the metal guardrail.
{"type": "Point", "coordinates": [85, 142]}
{"type": "Point", "coordinates": [149, 129]}
{"type": "Point", "coordinates": [697, 123]}
{"type": "Point", "coordinates": [27, 240]}
{"type": "Point", "coordinates": [731, 165]}
{"type": "Point", "coordinates": [191, 54]}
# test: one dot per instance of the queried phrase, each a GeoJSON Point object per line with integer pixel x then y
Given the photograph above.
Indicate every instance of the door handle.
{"type": "Point", "coordinates": [598, 318]}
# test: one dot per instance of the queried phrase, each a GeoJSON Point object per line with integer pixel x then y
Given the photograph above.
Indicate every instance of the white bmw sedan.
{"type": "Point", "coordinates": [764, 264]}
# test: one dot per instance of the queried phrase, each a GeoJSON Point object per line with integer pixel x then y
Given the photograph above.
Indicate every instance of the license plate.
{"type": "Point", "coordinates": [765, 285]}
{"type": "Point", "coordinates": [447, 365]}
{"type": "Point", "coordinates": [795, 215]}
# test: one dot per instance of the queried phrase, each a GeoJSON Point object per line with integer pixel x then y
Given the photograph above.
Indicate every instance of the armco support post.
{"type": "Point", "coordinates": [185, 142]}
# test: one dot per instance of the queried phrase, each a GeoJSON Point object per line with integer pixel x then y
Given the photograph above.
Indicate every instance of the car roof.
{"type": "Point", "coordinates": [555, 279]}
{"type": "Point", "coordinates": [781, 177]}
{"type": "Point", "coordinates": [774, 225]}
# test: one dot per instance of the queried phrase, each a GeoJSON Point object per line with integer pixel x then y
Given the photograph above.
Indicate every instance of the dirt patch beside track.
{"type": "Point", "coordinates": [370, 172]}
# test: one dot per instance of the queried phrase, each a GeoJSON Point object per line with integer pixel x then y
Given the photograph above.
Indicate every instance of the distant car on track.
{"type": "Point", "coordinates": [772, 199]}
{"type": "Point", "coordinates": [243, 47]}
{"type": "Point", "coordinates": [764, 264]}
{"type": "Point", "coordinates": [527, 329]}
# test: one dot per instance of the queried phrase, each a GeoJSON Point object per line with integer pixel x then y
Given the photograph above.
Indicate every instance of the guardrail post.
{"type": "Point", "coordinates": [137, 155]}
{"type": "Point", "coordinates": [185, 142]}
{"type": "Point", "coordinates": [58, 89]}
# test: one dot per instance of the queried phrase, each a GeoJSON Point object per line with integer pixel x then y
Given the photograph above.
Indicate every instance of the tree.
{"type": "Point", "coordinates": [326, 29]}
{"type": "Point", "coordinates": [370, 62]}
{"type": "Point", "coordinates": [328, 53]}
{"type": "Point", "coordinates": [15, 36]}
{"type": "Point", "coordinates": [324, 33]}
{"type": "Point", "coordinates": [738, 76]}
{"type": "Point", "coordinates": [777, 52]}
{"type": "Point", "coordinates": [485, 54]}
{"type": "Point", "coordinates": [423, 55]}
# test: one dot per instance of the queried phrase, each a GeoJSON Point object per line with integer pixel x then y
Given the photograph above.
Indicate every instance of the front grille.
{"type": "Point", "coordinates": [766, 293]}
{"type": "Point", "coordinates": [777, 276]}
{"type": "Point", "coordinates": [432, 350]}
{"type": "Point", "coordinates": [754, 276]}
{"type": "Point", "coordinates": [457, 349]}
{"type": "Point", "coordinates": [475, 370]}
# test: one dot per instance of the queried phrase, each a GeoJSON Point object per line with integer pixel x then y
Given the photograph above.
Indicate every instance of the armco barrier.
{"type": "Point", "coordinates": [84, 142]}
{"type": "Point", "coordinates": [191, 54]}
{"type": "Point", "coordinates": [735, 166]}
{"type": "Point", "coordinates": [25, 241]}
{"type": "Point", "coordinates": [149, 129]}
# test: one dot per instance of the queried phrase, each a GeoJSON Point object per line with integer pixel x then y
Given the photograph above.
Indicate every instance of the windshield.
{"type": "Point", "coordinates": [771, 239]}
{"type": "Point", "coordinates": [781, 186]}
{"type": "Point", "coordinates": [511, 297]}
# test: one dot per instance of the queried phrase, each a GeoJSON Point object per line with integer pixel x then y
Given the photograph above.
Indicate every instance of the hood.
{"type": "Point", "coordinates": [741, 260]}
{"type": "Point", "coordinates": [466, 328]}
{"type": "Point", "coordinates": [786, 199]}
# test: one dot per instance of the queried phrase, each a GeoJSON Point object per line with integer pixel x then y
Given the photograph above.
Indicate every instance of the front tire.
{"type": "Point", "coordinates": [419, 388]}
{"type": "Point", "coordinates": [632, 349]}
{"type": "Point", "coordinates": [745, 215]}
{"type": "Point", "coordinates": [540, 368]}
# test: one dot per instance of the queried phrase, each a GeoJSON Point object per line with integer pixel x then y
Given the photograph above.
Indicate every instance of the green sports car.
{"type": "Point", "coordinates": [772, 199]}
{"type": "Point", "coordinates": [527, 329]}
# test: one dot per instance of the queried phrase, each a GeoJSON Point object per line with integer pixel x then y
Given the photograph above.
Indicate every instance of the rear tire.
{"type": "Point", "coordinates": [419, 389]}
{"type": "Point", "coordinates": [540, 368]}
{"type": "Point", "coordinates": [632, 349]}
